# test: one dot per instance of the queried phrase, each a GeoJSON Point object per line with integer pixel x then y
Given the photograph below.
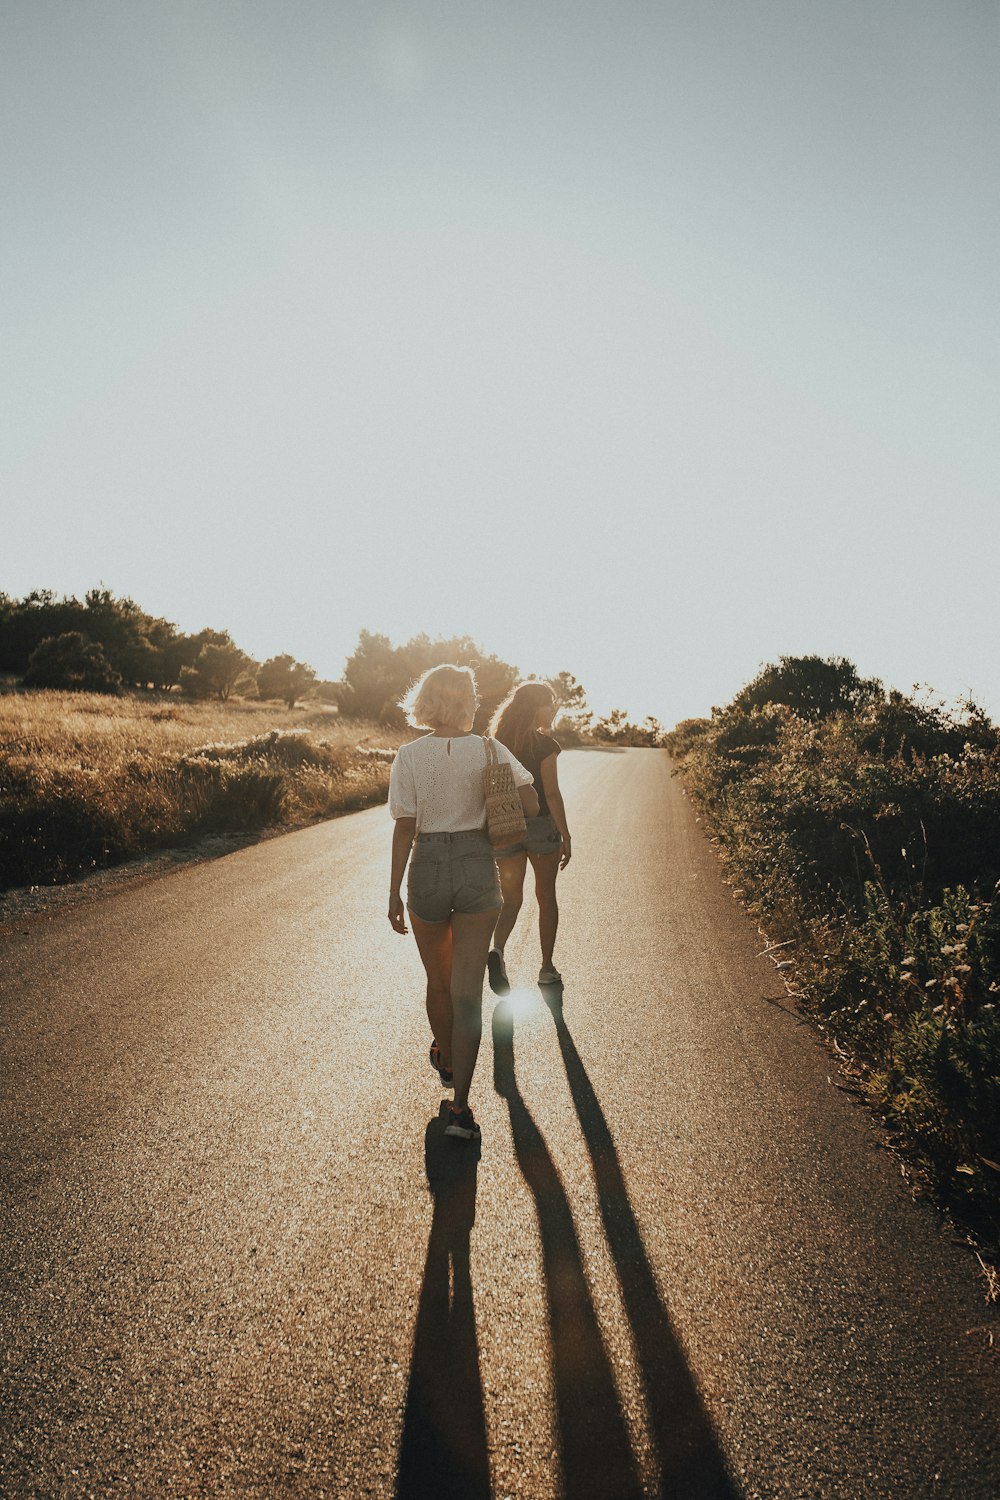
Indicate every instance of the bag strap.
{"type": "Point", "coordinates": [492, 758]}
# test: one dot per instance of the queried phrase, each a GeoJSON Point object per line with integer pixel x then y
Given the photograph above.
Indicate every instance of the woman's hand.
{"type": "Point", "coordinates": [553, 796]}
{"type": "Point", "coordinates": [397, 913]}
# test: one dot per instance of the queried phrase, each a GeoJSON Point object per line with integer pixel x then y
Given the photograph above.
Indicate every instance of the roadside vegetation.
{"type": "Point", "coordinates": [863, 831]}
{"type": "Point", "coordinates": [87, 782]}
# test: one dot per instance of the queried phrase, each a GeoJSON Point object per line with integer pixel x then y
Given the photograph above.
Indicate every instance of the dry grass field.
{"type": "Point", "coordinates": [88, 781]}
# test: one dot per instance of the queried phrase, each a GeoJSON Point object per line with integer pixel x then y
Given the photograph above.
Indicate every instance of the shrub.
{"type": "Point", "coordinates": [71, 661]}
{"type": "Point", "coordinates": [222, 797]}
{"type": "Point", "coordinates": [283, 747]}
{"type": "Point", "coordinates": [867, 837]}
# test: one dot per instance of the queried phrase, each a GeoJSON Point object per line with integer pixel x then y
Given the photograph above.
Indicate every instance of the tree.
{"type": "Point", "coordinates": [572, 710]}
{"type": "Point", "coordinates": [375, 677]}
{"type": "Point", "coordinates": [120, 626]}
{"type": "Point", "coordinates": [141, 648]}
{"type": "Point", "coordinates": [617, 728]}
{"type": "Point", "coordinates": [814, 687]}
{"type": "Point", "coordinates": [72, 662]}
{"type": "Point", "coordinates": [378, 674]}
{"type": "Point", "coordinates": [571, 698]}
{"type": "Point", "coordinates": [218, 668]}
{"type": "Point", "coordinates": [25, 623]}
{"type": "Point", "coordinates": [330, 692]}
{"type": "Point", "coordinates": [284, 677]}
{"type": "Point", "coordinates": [167, 654]}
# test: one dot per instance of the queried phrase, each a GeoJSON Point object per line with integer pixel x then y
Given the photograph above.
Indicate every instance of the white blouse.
{"type": "Point", "coordinates": [440, 782]}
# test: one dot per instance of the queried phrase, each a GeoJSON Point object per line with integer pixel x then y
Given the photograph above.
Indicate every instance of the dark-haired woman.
{"type": "Point", "coordinates": [523, 723]}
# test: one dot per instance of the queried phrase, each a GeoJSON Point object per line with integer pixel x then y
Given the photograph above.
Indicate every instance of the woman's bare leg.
{"type": "Point", "coordinates": [512, 888]}
{"type": "Point", "coordinates": [470, 940]}
{"type": "Point", "coordinates": [435, 948]}
{"type": "Point", "coordinates": [546, 868]}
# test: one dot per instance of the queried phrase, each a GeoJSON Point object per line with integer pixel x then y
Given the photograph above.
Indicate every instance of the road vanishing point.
{"type": "Point", "coordinates": [241, 1258]}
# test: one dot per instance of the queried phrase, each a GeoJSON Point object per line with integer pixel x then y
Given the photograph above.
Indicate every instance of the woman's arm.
{"type": "Point", "coordinates": [557, 808]}
{"type": "Point", "coordinates": [403, 835]}
{"type": "Point", "coordinates": [522, 780]}
{"type": "Point", "coordinates": [529, 800]}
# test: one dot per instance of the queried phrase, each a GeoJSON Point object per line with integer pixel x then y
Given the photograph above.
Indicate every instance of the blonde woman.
{"type": "Point", "coordinates": [523, 724]}
{"type": "Point", "coordinates": [453, 893]}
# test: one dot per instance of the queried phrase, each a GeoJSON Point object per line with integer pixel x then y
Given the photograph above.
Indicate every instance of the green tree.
{"type": "Point", "coordinates": [378, 674]}
{"type": "Point", "coordinates": [616, 728]}
{"type": "Point", "coordinates": [71, 662]}
{"type": "Point", "coordinates": [330, 692]}
{"type": "Point", "coordinates": [39, 616]}
{"type": "Point", "coordinates": [285, 678]}
{"type": "Point", "coordinates": [612, 727]}
{"type": "Point", "coordinates": [121, 627]}
{"type": "Point", "coordinates": [814, 687]}
{"type": "Point", "coordinates": [573, 712]}
{"type": "Point", "coordinates": [570, 695]}
{"type": "Point", "coordinates": [375, 678]}
{"type": "Point", "coordinates": [494, 676]}
{"type": "Point", "coordinates": [218, 669]}
{"type": "Point", "coordinates": [167, 654]}
{"type": "Point", "coordinates": [136, 644]}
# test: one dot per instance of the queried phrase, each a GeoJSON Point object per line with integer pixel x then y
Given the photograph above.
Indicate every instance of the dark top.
{"type": "Point", "coordinates": [538, 747]}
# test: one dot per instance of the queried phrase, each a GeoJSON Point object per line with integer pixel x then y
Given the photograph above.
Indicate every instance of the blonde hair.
{"type": "Point", "coordinates": [443, 695]}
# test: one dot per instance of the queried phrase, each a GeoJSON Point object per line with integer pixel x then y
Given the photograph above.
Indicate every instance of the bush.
{"type": "Point", "coordinates": [222, 797]}
{"type": "Point", "coordinates": [283, 747]}
{"type": "Point", "coordinates": [71, 661]}
{"type": "Point", "coordinates": [867, 837]}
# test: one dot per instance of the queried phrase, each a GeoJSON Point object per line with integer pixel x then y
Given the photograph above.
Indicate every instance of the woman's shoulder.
{"type": "Point", "coordinates": [409, 748]}
{"type": "Point", "coordinates": [545, 745]}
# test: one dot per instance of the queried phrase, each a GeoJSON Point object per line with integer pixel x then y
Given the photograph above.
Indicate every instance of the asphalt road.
{"type": "Point", "coordinates": [242, 1260]}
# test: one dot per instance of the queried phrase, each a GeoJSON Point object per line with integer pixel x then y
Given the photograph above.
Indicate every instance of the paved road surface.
{"type": "Point", "coordinates": [243, 1261]}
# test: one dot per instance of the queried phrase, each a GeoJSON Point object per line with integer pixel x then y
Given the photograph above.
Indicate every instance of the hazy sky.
{"type": "Point", "coordinates": [645, 340]}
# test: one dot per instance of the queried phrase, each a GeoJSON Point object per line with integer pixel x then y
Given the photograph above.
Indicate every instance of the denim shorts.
{"type": "Point", "coordinates": [452, 872]}
{"type": "Point", "coordinates": [542, 838]}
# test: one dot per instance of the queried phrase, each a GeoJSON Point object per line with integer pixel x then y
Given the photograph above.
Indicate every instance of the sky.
{"type": "Point", "coordinates": [646, 341]}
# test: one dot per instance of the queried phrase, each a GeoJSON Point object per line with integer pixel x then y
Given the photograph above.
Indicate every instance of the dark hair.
{"type": "Point", "coordinates": [514, 721]}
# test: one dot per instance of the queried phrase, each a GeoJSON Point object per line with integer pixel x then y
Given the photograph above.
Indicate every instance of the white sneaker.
{"type": "Point", "coordinates": [549, 975]}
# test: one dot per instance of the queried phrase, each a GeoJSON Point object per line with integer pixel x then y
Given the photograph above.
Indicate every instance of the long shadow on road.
{"type": "Point", "coordinates": [594, 1448]}
{"type": "Point", "coordinates": [691, 1463]}
{"type": "Point", "coordinates": [442, 1449]}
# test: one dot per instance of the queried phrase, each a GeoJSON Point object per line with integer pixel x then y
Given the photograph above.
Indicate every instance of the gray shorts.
{"type": "Point", "coordinates": [452, 872]}
{"type": "Point", "coordinates": [542, 838]}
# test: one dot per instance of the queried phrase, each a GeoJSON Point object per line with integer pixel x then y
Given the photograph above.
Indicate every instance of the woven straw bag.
{"type": "Point", "coordinates": [505, 823]}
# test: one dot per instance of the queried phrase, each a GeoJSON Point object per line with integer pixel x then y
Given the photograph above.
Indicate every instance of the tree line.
{"type": "Point", "coordinates": [106, 644]}
{"type": "Point", "coordinates": [109, 644]}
